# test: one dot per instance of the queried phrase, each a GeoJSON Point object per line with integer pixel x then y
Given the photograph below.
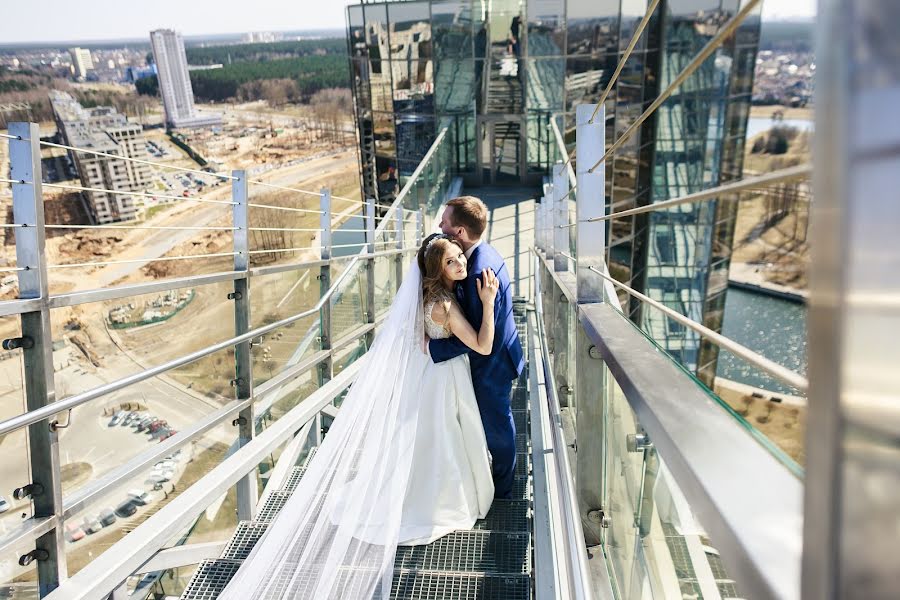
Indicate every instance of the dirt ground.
{"type": "Point", "coordinates": [782, 422]}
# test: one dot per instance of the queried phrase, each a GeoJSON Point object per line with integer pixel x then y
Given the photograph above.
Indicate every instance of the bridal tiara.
{"type": "Point", "coordinates": [442, 236]}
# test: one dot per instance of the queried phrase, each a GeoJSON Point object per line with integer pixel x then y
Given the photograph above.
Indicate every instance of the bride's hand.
{"type": "Point", "coordinates": [487, 286]}
{"type": "Point", "coordinates": [425, 341]}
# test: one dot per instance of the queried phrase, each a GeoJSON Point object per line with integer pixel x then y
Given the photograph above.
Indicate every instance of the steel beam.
{"type": "Point", "coordinates": [247, 493]}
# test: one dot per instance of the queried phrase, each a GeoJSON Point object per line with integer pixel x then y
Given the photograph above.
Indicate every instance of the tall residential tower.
{"type": "Point", "coordinates": [175, 81]}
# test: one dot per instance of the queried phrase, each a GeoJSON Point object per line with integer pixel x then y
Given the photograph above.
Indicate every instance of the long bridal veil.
{"type": "Point", "coordinates": [337, 535]}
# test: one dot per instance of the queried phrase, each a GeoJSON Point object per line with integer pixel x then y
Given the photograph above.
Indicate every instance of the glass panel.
{"type": "Point", "coordinates": [273, 405]}
{"type": "Point", "coordinates": [385, 282]}
{"type": "Point", "coordinates": [655, 545]}
{"type": "Point", "coordinates": [109, 519]}
{"type": "Point", "coordinates": [348, 303]}
{"type": "Point", "coordinates": [347, 355]}
{"type": "Point", "coordinates": [105, 341]}
{"type": "Point", "coordinates": [111, 430]}
{"type": "Point", "coordinates": [17, 583]}
{"type": "Point", "coordinates": [546, 27]}
{"type": "Point", "coordinates": [95, 246]}
{"type": "Point", "coordinates": [275, 297]}
{"type": "Point", "coordinates": [592, 26]}
{"type": "Point", "coordinates": [15, 465]}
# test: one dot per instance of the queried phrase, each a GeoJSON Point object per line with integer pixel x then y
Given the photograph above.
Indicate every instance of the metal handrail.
{"type": "Point", "coordinates": [28, 418]}
{"type": "Point", "coordinates": [777, 371]}
{"type": "Point", "coordinates": [575, 553]}
{"type": "Point", "coordinates": [398, 201]}
{"type": "Point", "coordinates": [110, 569]}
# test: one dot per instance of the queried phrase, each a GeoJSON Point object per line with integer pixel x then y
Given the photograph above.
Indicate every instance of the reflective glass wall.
{"type": "Point", "coordinates": [497, 72]}
{"type": "Point", "coordinates": [697, 144]}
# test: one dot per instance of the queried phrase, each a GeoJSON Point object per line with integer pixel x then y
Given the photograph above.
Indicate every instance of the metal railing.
{"type": "Point", "coordinates": [392, 239]}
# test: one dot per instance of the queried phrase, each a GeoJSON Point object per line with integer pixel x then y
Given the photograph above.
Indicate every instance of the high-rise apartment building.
{"type": "Point", "coordinates": [103, 129]}
{"type": "Point", "coordinates": [81, 62]}
{"type": "Point", "coordinates": [175, 81]}
{"type": "Point", "coordinates": [498, 72]}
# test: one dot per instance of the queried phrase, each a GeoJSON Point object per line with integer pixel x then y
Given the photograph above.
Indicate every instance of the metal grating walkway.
{"type": "Point", "coordinates": [492, 561]}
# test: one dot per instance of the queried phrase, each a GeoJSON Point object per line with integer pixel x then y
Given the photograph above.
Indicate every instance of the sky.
{"type": "Point", "coordinates": [68, 20]}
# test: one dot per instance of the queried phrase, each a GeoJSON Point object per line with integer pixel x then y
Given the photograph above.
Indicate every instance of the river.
{"type": "Point", "coordinates": [774, 327]}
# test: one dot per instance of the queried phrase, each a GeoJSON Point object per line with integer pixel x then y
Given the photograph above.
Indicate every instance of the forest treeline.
{"type": "Point", "coordinates": [298, 79]}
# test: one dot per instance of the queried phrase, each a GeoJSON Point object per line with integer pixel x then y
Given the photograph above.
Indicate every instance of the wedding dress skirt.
{"type": "Point", "coordinates": [404, 462]}
{"type": "Point", "coordinates": [450, 484]}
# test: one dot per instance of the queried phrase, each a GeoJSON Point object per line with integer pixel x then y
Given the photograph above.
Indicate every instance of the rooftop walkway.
{"type": "Point", "coordinates": [493, 560]}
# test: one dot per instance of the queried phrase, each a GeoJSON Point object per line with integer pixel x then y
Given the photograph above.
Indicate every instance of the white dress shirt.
{"type": "Point", "coordinates": [471, 249]}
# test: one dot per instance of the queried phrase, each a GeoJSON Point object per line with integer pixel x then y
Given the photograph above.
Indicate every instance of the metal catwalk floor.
{"type": "Point", "coordinates": [492, 561]}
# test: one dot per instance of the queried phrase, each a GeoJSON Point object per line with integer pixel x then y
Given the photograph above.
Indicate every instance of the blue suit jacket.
{"type": "Point", "coordinates": [506, 360]}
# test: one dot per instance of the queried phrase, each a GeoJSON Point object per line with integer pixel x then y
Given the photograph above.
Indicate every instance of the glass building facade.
{"type": "Point", "coordinates": [495, 72]}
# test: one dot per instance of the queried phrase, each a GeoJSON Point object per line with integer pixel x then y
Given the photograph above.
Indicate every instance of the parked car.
{"type": "Point", "coordinates": [164, 465]}
{"type": "Point", "coordinates": [129, 418]}
{"type": "Point", "coordinates": [145, 423]}
{"type": "Point", "coordinates": [167, 434]}
{"type": "Point", "coordinates": [139, 497]}
{"type": "Point", "coordinates": [107, 517]}
{"type": "Point", "coordinates": [138, 419]}
{"type": "Point", "coordinates": [92, 525]}
{"type": "Point", "coordinates": [74, 532]}
{"type": "Point", "coordinates": [156, 425]}
{"type": "Point", "coordinates": [159, 433]}
{"type": "Point", "coordinates": [4, 504]}
{"type": "Point", "coordinates": [126, 509]}
{"type": "Point", "coordinates": [117, 418]}
{"type": "Point", "coordinates": [156, 479]}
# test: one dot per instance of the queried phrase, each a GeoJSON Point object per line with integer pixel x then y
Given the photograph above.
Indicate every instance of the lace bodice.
{"type": "Point", "coordinates": [434, 330]}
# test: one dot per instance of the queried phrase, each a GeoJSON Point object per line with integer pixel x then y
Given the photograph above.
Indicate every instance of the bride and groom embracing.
{"type": "Point", "coordinates": [424, 440]}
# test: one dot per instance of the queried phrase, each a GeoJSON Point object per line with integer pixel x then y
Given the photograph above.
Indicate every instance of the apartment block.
{"type": "Point", "coordinates": [103, 129]}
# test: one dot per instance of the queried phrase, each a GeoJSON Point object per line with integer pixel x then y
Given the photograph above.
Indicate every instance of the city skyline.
{"type": "Point", "coordinates": [208, 18]}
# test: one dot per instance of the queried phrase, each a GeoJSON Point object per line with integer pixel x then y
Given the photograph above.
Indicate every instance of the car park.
{"type": "Point", "coordinates": [126, 509]}
{"type": "Point", "coordinates": [107, 517]}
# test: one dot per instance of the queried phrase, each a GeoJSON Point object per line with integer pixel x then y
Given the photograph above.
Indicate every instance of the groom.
{"type": "Point", "coordinates": [465, 218]}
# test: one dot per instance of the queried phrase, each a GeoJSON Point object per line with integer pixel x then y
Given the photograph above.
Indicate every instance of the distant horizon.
{"type": "Point", "coordinates": [200, 37]}
{"type": "Point", "coordinates": [321, 20]}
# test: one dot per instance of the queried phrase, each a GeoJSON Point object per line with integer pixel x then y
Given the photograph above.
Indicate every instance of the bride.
{"type": "Point", "coordinates": [405, 461]}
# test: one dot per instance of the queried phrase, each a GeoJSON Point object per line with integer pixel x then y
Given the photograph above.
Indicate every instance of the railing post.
{"type": "Point", "coordinates": [243, 368]}
{"type": "Point", "coordinates": [326, 367]}
{"type": "Point", "coordinates": [37, 355]}
{"type": "Point", "coordinates": [560, 217]}
{"type": "Point", "coordinates": [590, 378]}
{"type": "Point", "coordinates": [370, 269]}
{"type": "Point", "coordinates": [398, 223]}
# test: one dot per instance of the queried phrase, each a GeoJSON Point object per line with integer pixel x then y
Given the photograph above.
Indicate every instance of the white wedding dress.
{"type": "Point", "coordinates": [450, 483]}
{"type": "Point", "coordinates": [404, 462]}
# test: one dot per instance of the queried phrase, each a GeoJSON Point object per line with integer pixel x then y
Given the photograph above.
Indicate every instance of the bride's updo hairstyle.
{"type": "Point", "coordinates": [430, 258]}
